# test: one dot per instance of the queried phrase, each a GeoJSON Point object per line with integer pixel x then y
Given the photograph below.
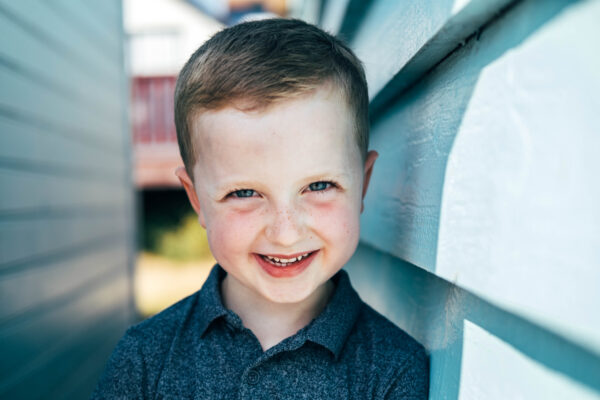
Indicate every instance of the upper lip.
{"type": "Point", "coordinates": [288, 256]}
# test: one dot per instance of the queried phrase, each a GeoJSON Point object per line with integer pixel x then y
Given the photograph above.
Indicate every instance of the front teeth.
{"type": "Point", "coordinates": [284, 262]}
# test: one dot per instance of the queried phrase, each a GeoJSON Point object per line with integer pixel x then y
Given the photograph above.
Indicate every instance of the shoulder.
{"type": "Point", "coordinates": [165, 324]}
{"type": "Point", "coordinates": [401, 362]}
{"type": "Point", "coordinates": [384, 336]}
{"type": "Point", "coordinates": [138, 358]}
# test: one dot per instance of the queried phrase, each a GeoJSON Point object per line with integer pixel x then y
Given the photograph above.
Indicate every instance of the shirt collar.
{"type": "Point", "coordinates": [209, 298]}
{"type": "Point", "coordinates": [330, 329]}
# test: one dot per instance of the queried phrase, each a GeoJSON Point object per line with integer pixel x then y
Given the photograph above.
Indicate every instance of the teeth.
{"type": "Point", "coordinates": [284, 262]}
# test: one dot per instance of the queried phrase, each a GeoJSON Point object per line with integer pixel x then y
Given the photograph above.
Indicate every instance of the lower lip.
{"type": "Point", "coordinates": [285, 272]}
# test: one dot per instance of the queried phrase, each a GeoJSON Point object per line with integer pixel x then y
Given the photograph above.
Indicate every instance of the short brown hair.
{"type": "Point", "coordinates": [254, 64]}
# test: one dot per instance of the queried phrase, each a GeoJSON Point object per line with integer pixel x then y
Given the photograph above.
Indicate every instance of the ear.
{"type": "Point", "coordinates": [188, 185]}
{"type": "Point", "coordinates": [369, 162]}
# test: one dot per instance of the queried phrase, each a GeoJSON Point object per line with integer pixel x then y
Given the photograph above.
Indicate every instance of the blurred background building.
{"type": "Point", "coordinates": [174, 257]}
{"type": "Point", "coordinates": [481, 230]}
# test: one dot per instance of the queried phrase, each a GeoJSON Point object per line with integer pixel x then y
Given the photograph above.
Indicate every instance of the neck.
{"type": "Point", "coordinates": [272, 322]}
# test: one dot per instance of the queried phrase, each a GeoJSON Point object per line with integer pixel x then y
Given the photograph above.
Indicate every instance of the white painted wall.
{"type": "Point", "coordinates": [520, 221]}
{"type": "Point", "coordinates": [481, 229]}
{"type": "Point", "coordinates": [513, 376]}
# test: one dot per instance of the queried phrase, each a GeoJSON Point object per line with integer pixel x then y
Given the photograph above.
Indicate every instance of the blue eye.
{"type": "Point", "coordinates": [243, 193]}
{"type": "Point", "coordinates": [319, 186]}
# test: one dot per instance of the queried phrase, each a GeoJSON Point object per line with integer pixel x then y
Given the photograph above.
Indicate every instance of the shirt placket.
{"type": "Point", "coordinates": [254, 383]}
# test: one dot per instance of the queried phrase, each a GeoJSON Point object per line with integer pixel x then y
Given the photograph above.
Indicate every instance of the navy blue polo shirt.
{"type": "Point", "coordinates": [198, 349]}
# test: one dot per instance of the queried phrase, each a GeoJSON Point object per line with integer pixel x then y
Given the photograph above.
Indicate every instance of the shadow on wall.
{"type": "Point", "coordinates": [415, 135]}
{"type": "Point", "coordinates": [435, 312]}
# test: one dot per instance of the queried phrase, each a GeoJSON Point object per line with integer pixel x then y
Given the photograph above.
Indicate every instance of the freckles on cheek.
{"type": "Point", "coordinates": [231, 233]}
{"type": "Point", "coordinates": [340, 219]}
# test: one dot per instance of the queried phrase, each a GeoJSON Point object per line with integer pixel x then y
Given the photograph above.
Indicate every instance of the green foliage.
{"type": "Point", "coordinates": [184, 242]}
{"type": "Point", "coordinates": [169, 227]}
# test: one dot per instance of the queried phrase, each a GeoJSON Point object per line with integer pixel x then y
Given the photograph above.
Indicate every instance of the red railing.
{"type": "Point", "coordinates": [152, 109]}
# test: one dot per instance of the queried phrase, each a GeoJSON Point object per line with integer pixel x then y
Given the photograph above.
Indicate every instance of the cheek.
{"type": "Point", "coordinates": [230, 233]}
{"type": "Point", "coordinates": [338, 221]}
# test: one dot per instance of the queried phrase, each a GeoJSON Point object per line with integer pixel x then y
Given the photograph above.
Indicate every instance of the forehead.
{"type": "Point", "coordinates": [314, 131]}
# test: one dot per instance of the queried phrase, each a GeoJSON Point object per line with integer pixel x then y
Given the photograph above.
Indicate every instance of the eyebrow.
{"type": "Point", "coordinates": [327, 176]}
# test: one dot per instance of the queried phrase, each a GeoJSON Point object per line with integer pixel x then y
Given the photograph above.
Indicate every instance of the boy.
{"type": "Point", "coordinates": [272, 122]}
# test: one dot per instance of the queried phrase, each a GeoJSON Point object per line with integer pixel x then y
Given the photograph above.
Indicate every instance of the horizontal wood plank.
{"type": "Point", "coordinates": [110, 12]}
{"type": "Point", "coordinates": [487, 176]}
{"type": "Point", "coordinates": [32, 190]}
{"type": "Point", "coordinates": [31, 144]}
{"type": "Point", "coordinates": [38, 18]}
{"type": "Point", "coordinates": [520, 222]}
{"type": "Point", "coordinates": [403, 30]}
{"type": "Point", "coordinates": [434, 312]}
{"type": "Point", "coordinates": [73, 329]}
{"type": "Point", "coordinates": [36, 238]}
{"type": "Point", "coordinates": [48, 56]}
{"type": "Point", "coordinates": [100, 35]}
{"type": "Point", "coordinates": [66, 209]}
{"type": "Point", "coordinates": [28, 97]}
{"type": "Point", "coordinates": [58, 281]}
{"type": "Point", "coordinates": [85, 373]}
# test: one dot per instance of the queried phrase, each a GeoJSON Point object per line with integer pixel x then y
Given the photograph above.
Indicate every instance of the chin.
{"type": "Point", "coordinates": [288, 297]}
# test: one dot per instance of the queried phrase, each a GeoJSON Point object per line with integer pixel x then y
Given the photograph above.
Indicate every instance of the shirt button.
{"type": "Point", "coordinates": [252, 377]}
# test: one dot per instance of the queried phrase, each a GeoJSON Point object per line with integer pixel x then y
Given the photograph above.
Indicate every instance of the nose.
{"type": "Point", "coordinates": [286, 226]}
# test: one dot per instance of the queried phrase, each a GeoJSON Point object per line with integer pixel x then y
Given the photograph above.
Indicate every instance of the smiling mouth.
{"type": "Point", "coordinates": [285, 262]}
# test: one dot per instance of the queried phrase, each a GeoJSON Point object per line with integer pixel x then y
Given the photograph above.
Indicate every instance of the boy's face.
{"type": "Point", "coordinates": [281, 183]}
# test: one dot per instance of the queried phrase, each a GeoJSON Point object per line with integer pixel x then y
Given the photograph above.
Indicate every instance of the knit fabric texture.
{"type": "Point", "coordinates": [198, 349]}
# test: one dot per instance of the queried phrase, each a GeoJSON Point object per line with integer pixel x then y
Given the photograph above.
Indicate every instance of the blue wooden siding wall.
{"type": "Point", "coordinates": [66, 196]}
{"type": "Point", "coordinates": [481, 230]}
